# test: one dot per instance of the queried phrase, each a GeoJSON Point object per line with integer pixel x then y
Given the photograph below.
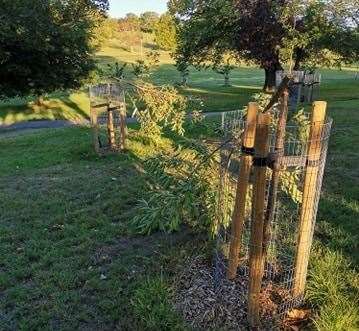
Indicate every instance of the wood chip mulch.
{"type": "Point", "coordinates": [209, 305]}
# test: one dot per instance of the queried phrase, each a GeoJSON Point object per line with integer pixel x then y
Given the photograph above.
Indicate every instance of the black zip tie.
{"type": "Point", "coordinates": [248, 150]}
{"type": "Point", "coordinates": [313, 163]}
{"type": "Point", "coordinates": [260, 162]}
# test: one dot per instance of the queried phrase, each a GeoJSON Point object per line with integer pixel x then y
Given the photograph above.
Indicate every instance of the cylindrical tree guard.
{"type": "Point", "coordinates": [108, 118]}
{"type": "Point", "coordinates": [281, 204]}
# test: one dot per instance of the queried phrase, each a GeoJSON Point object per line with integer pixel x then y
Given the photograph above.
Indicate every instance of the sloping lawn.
{"type": "Point", "coordinates": [70, 260]}
{"type": "Point", "coordinates": [204, 84]}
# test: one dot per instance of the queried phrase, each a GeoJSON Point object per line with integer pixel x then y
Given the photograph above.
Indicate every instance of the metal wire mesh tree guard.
{"type": "Point", "coordinates": [108, 118]}
{"type": "Point", "coordinates": [264, 233]}
{"type": "Point", "coordinates": [305, 86]}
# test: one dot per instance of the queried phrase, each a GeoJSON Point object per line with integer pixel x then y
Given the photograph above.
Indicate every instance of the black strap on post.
{"type": "Point", "coordinates": [248, 150]}
{"type": "Point", "coordinates": [313, 163]}
{"type": "Point", "coordinates": [260, 162]}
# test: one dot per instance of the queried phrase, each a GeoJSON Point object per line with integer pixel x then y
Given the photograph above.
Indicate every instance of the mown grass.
{"type": "Point", "coordinates": [68, 258]}
{"type": "Point", "coordinates": [204, 84]}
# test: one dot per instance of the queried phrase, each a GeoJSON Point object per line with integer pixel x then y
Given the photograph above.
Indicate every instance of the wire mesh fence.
{"type": "Point", "coordinates": [304, 87]}
{"type": "Point", "coordinates": [283, 244]}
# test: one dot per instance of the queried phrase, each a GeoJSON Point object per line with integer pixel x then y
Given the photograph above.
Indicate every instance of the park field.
{"type": "Point", "coordinates": [69, 257]}
{"type": "Point", "coordinates": [337, 86]}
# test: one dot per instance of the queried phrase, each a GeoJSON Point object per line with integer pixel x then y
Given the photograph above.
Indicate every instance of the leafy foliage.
{"type": "Point", "coordinates": [183, 68]}
{"type": "Point", "coordinates": [117, 70]}
{"type": "Point", "coordinates": [148, 21]}
{"type": "Point", "coordinates": [269, 33]}
{"type": "Point", "coordinates": [165, 33]}
{"type": "Point", "coordinates": [105, 30]}
{"type": "Point", "coordinates": [181, 192]}
{"type": "Point", "coordinates": [143, 68]}
{"type": "Point", "coordinates": [46, 45]}
{"type": "Point", "coordinates": [160, 107]}
{"type": "Point", "coordinates": [224, 67]}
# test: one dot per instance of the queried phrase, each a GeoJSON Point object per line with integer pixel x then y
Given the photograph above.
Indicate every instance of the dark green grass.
{"type": "Point", "coordinates": [64, 223]}
{"type": "Point", "coordinates": [68, 259]}
{"type": "Point", "coordinates": [204, 84]}
{"type": "Point", "coordinates": [64, 227]}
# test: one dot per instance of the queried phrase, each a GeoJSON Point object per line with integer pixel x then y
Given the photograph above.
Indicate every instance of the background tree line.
{"type": "Point", "coordinates": [269, 33]}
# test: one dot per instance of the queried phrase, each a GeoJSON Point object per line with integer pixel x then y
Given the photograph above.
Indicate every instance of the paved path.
{"type": "Point", "coordinates": [56, 124]}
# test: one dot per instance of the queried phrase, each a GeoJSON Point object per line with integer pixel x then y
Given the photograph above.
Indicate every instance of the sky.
{"type": "Point", "coordinates": [119, 8]}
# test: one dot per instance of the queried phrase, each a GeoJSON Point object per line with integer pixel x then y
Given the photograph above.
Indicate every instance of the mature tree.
{"type": "Point", "coordinates": [106, 29]}
{"type": "Point", "coordinates": [130, 23]}
{"type": "Point", "coordinates": [263, 30]}
{"type": "Point", "coordinates": [148, 21]}
{"type": "Point", "coordinates": [326, 33]}
{"type": "Point", "coordinates": [165, 33]}
{"type": "Point", "coordinates": [46, 45]}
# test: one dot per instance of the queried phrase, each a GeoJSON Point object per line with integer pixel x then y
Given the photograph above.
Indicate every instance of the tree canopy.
{"type": "Point", "coordinates": [148, 21]}
{"type": "Point", "coordinates": [165, 33]}
{"type": "Point", "coordinates": [268, 32]}
{"type": "Point", "coordinates": [46, 45]}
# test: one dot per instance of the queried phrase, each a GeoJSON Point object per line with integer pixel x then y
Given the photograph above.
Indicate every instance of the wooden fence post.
{"type": "Point", "coordinates": [279, 150]}
{"type": "Point", "coordinates": [123, 127]}
{"type": "Point", "coordinates": [110, 128]}
{"type": "Point", "coordinates": [309, 195]}
{"type": "Point", "coordinates": [256, 258]}
{"type": "Point", "coordinates": [95, 129]}
{"type": "Point", "coordinates": [238, 216]}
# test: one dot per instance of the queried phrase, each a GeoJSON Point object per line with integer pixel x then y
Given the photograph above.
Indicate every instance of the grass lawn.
{"type": "Point", "coordinates": [206, 85]}
{"type": "Point", "coordinates": [69, 260]}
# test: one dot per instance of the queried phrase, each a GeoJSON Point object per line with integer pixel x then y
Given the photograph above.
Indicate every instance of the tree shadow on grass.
{"type": "Point", "coordinates": [58, 107]}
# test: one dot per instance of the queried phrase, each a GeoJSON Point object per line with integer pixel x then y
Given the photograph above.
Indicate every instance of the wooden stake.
{"type": "Point", "coordinates": [309, 195]}
{"type": "Point", "coordinates": [238, 216]}
{"type": "Point", "coordinates": [256, 261]}
{"type": "Point", "coordinates": [279, 149]}
{"type": "Point", "coordinates": [123, 128]}
{"type": "Point", "coordinates": [110, 129]}
{"type": "Point", "coordinates": [95, 129]}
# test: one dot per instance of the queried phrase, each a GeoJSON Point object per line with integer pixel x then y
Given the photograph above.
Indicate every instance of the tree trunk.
{"type": "Point", "coordinates": [39, 101]}
{"type": "Point", "coordinates": [184, 79]}
{"type": "Point", "coordinates": [296, 64]}
{"type": "Point", "coordinates": [269, 83]}
{"type": "Point", "coordinates": [299, 57]}
{"type": "Point", "coordinates": [226, 80]}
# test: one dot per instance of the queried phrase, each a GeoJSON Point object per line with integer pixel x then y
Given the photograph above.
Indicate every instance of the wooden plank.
{"type": "Point", "coordinates": [123, 128]}
{"type": "Point", "coordinates": [256, 261]}
{"type": "Point", "coordinates": [102, 105]}
{"type": "Point", "coordinates": [111, 129]}
{"type": "Point", "coordinates": [95, 130]}
{"type": "Point", "coordinates": [238, 216]}
{"type": "Point", "coordinates": [309, 197]}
